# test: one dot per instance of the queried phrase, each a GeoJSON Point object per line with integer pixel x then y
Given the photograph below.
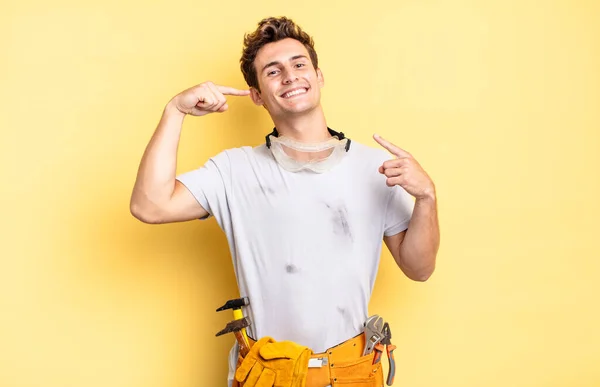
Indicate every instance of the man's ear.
{"type": "Point", "coordinates": [255, 95]}
{"type": "Point", "coordinates": [320, 78]}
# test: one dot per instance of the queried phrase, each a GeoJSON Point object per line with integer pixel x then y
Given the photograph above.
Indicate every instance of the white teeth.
{"type": "Point", "coordinates": [293, 93]}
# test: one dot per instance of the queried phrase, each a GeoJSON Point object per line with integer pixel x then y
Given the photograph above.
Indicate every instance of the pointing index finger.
{"type": "Point", "coordinates": [393, 149]}
{"type": "Point", "coordinates": [226, 90]}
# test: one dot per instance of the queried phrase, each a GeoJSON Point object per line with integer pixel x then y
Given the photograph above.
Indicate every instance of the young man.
{"type": "Point", "coordinates": [305, 213]}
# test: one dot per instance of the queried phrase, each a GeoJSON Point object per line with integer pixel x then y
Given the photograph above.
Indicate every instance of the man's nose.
{"type": "Point", "coordinates": [289, 76]}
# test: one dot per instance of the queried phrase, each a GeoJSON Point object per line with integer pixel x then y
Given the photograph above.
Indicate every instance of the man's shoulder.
{"type": "Point", "coordinates": [242, 155]}
{"type": "Point", "coordinates": [364, 153]}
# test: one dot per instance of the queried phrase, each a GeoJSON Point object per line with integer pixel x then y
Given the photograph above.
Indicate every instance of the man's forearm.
{"type": "Point", "coordinates": [156, 174]}
{"type": "Point", "coordinates": [420, 245]}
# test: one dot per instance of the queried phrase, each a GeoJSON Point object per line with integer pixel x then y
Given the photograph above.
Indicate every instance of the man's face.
{"type": "Point", "coordinates": [288, 82]}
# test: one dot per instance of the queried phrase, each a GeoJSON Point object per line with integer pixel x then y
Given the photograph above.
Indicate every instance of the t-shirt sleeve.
{"type": "Point", "coordinates": [398, 212]}
{"type": "Point", "coordinates": [209, 184]}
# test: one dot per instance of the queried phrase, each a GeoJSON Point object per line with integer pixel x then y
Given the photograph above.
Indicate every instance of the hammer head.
{"type": "Point", "coordinates": [235, 325]}
{"type": "Point", "coordinates": [235, 304]}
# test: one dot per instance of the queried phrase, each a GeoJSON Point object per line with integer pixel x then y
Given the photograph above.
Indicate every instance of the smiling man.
{"type": "Point", "coordinates": [305, 214]}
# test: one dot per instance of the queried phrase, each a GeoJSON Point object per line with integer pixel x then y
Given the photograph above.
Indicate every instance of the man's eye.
{"type": "Point", "coordinates": [299, 64]}
{"type": "Point", "coordinates": [272, 72]}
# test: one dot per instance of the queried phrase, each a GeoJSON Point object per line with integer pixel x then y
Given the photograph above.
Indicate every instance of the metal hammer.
{"type": "Point", "coordinates": [236, 305]}
{"type": "Point", "coordinates": [236, 327]}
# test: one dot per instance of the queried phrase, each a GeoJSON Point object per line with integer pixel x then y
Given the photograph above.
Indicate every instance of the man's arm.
{"type": "Point", "coordinates": [414, 249]}
{"type": "Point", "coordinates": [157, 196]}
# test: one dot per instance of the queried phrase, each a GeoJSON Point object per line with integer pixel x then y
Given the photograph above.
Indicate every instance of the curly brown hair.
{"type": "Point", "coordinates": [272, 30]}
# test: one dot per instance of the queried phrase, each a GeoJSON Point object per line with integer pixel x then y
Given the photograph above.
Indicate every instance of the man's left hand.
{"type": "Point", "coordinates": [406, 172]}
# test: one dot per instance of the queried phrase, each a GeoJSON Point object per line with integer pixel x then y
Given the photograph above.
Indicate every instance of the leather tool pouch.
{"type": "Point", "coordinates": [342, 365]}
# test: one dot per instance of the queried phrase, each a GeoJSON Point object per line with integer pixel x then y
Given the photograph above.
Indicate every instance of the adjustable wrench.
{"type": "Point", "coordinates": [373, 333]}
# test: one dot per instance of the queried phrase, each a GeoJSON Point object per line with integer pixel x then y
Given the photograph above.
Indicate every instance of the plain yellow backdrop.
{"type": "Point", "coordinates": [498, 100]}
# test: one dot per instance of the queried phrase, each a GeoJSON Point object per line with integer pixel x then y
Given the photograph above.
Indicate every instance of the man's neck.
{"type": "Point", "coordinates": [308, 127]}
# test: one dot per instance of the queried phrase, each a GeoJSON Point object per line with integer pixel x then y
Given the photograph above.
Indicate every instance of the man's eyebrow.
{"type": "Point", "coordinates": [273, 63]}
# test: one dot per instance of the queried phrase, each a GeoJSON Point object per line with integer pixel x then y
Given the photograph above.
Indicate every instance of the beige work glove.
{"type": "Point", "coordinates": [274, 364]}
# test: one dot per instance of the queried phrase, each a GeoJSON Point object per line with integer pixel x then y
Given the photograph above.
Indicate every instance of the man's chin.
{"type": "Point", "coordinates": [299, 109]}
{"type": "Point", "coordinates": [293, 110]}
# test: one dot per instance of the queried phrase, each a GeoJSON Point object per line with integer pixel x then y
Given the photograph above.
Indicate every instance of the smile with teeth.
{"type": "Point", "coordinates": [294, 92]}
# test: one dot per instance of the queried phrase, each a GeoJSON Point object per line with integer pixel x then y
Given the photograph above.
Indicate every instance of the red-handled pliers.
{"type": "Point", "coordinates": [387, 342]}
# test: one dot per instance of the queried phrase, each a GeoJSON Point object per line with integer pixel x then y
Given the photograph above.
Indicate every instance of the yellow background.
{"type": "Point", "coordinates": [498, 100]}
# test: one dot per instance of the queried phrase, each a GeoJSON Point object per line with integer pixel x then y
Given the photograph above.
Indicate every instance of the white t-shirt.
{"type": "Point", "coordinates": [305, 246]}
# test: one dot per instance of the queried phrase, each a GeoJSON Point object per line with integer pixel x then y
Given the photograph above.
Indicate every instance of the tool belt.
{"type": "Point", "coordinates": [341, 365]}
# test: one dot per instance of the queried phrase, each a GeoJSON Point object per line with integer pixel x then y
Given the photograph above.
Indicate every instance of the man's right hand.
{"type": "Point", "coordinates": [205, 98]}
